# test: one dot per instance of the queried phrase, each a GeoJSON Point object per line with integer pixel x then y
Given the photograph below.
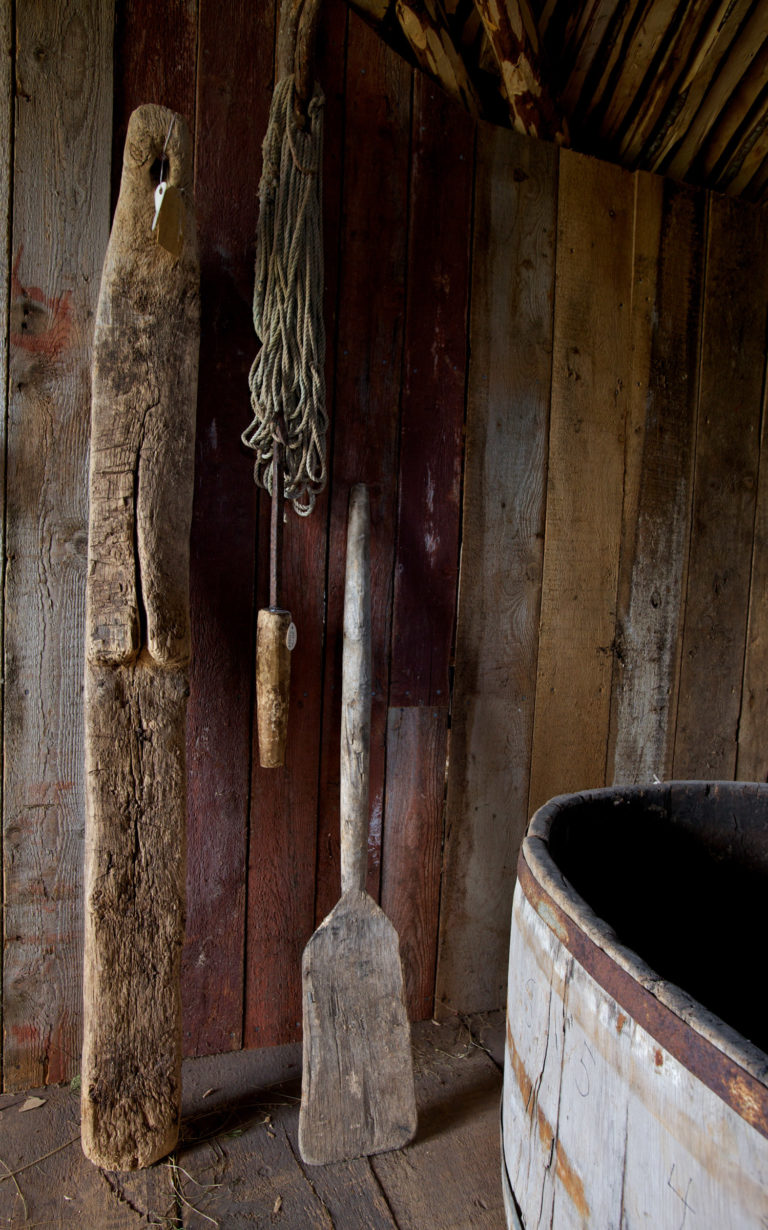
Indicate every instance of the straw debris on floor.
{"type": "Point", "coordinates": [238, 1164]}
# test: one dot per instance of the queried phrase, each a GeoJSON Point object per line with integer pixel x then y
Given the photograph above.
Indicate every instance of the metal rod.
{"type": "Point", "coordinates": [276, 528]}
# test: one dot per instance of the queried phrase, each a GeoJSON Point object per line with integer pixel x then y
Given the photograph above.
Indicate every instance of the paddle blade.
{"type": "Point", "coordinates": [357, 1092]}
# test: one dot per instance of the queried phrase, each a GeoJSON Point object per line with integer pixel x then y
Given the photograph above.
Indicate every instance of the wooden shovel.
{"type": "Point", "coordinates": [357, 1092]}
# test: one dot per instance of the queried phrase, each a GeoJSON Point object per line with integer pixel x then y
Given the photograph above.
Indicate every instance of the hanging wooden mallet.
{"type": "Point", "coordinates": [286, 381]}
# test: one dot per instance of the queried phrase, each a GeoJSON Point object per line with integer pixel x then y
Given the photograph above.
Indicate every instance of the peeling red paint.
{"type": "Point", "coordinates": [25, 1034]}
{"type": "Point", "coordinates": [39, 324]}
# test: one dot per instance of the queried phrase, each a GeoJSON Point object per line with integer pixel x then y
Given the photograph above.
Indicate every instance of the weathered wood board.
{"type": "Point", "coordinates": [590, 378]}
{"type": "Point", "coordinates": [668, 277]}
{"type": "Point", "coordinates": [368, 370]}
{"type": "Point", "coordinates": [60, 227]}
{"type": "Point", "coordinates": [357, 1083]}
{"type": "Point", "coordinates": [500, 585]}
{"type": "Point", "coordinates": [626, 1101]}
{"type": "Point", "coordinates": [725, 487]}
{"type": "Point", "coordinates": [417, 740]}
{"type": "Point", "coordinates": [137, 653]}
{"type": "Point", "coordinates": [279, 924]}
{"type": "Point", "coordinates": [233, 95]}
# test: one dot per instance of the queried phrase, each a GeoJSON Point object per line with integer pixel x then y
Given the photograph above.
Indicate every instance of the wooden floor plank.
{"type": "Point", "coordinates": [449, 1177]}
{"type": "Point", "coordinates": [590, 376]}
{"type": "Point", "coordinates": [237, 1163]}
{"type": "Point", "coordinates": [500, 585]}
{"type": "Point", "coordinates": [60, 231]}
{"type": "Point", "coordinates": [725, 487]}
{"type": "Point", "coordinates": [65, 1188]}
{"type": "Point", "coordinates": [663, 401]}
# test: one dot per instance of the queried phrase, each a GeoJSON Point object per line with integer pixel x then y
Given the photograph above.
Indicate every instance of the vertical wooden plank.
{"type": "Point", "coordinates": [233, 95]}
{"type": "Point", "coordinates": [752, 754]}
{"type": "Point", "coordinates": [366, 403]}
{"type": "Point", "coordinates": [427, 551]}
{"type": "Point", "coordinates": [60, 231]}
{"type": "Point", "coordinates": [6, 165]}
{"type": "Point", "coordinates": [663, 395]}
{"type": "Point", "coordinates": [426, 568]}
{"type": "Point", "coordinates": [590, 376]}
{"type": "Point", "coordinates": [155, 54]}
{"type": "Point", "coordinates": [500, 585]}
{"type": "Point", "coordinates": [725, 483]}
{"type": "Point", "coordinates": [283, 820]}
{"type": "Point", "coordinates": [417, 740]}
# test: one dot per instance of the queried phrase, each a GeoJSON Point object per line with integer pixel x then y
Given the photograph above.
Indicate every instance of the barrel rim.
{"type": "Point", "coordinates": [731, 1066]}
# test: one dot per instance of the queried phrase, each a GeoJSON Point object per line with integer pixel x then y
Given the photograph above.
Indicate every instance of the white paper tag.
{"type": "Point", "coordinates": [159, 194]}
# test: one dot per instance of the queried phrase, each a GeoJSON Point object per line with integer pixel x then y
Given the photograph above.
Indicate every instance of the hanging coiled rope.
{"type": "Point", "coordinates": [287, 382]}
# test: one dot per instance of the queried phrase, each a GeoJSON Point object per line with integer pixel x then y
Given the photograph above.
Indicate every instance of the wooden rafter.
{"type": "Point", "coordinates": [676, 86]}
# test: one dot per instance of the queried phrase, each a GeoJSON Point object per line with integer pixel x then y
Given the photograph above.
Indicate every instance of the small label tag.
{"type": "Point", "coordinates": [159, 194]}
{"type": "Point", "coordinates": [169, 218]}
{"type": "Point", "coordinates": [290, 638]}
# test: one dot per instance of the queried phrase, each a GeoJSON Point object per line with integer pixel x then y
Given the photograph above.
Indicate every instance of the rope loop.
{"type": "Point", "coordinates": [287, 380]}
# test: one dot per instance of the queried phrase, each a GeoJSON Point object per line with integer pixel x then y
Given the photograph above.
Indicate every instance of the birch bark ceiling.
{"type": "Point", "coordinates": [680, 88]}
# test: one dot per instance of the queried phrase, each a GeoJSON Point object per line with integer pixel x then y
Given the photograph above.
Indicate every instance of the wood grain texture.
{"type": "Point", "coordinates": [500, 586]}
{"type": "Point", "coordinates": [435, 361]}
{"type": "Point", "coordinates": [358, 1093]}
{"type": "Point", "coordinates": [354, 778]}
{"type": "Point", "coordinates": [60, 229]}
{"type": "Point", "coordinates": [273, 684]}
{"type": "Point", "coordinates": [511, 32]}
{"type": "Point", "coordinates": [65, 1189]}
{"type": "Point", "coordinates": [240, 1162]}
{"type": "Point", "coordinates": [417, 743]}
{"type": "Point", "coordinates": [368, 362]}
{"type": "Point", "coordinates": [284, 802]}
{"type": "Point", "coordinates": [752, 755]}
{"type": "Point", "coordinates": [6, 164]}
{"type": "Point", "coordinates": [357, 1089]}
{"type": "Point", "coordinates": [725, 486]}
{"type": "Point", "coordinates": [668, 277]}
{"type": "Point", "coordinates": [155, 53]}
{"type": "Point", "coordinates": [447, 1178]}
{"type": "Point", "coordinates": [590, 378]}
{"type": "Point", "coordinates": [592, 1044]}
{"type": "Point", "coordinates": [233, 96]}
{"type": "Point", "coordinates": [144, 396]}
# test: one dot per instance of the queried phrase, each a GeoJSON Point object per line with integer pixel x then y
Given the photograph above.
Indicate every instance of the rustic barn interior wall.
{"type": "Point", "coordinates": [549, 371]}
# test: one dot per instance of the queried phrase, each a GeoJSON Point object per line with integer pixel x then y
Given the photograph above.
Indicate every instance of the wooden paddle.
{"type": "Point", "coordinates": [144, 396]}
{"type": "Point", "coordinates": [357, 1093]}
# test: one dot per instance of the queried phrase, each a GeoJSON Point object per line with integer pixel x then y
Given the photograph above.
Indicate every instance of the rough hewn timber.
{"type": "Point", "coordinates": [137, 651]}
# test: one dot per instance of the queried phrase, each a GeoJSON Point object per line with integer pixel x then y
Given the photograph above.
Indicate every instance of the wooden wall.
{"type": "Point", "coordinates": [550, 373]}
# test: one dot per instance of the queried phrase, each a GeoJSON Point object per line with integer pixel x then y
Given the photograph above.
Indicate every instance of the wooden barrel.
{"type": "Point", "coordinates": [636, 1073]}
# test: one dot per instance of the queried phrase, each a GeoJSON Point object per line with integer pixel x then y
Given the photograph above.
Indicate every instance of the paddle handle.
{"type": "Point", "coordinates": [356, 695]}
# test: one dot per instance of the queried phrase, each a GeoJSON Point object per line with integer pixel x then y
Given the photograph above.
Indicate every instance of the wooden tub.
{"type": "Point", "coordinates": [636, 1078]}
